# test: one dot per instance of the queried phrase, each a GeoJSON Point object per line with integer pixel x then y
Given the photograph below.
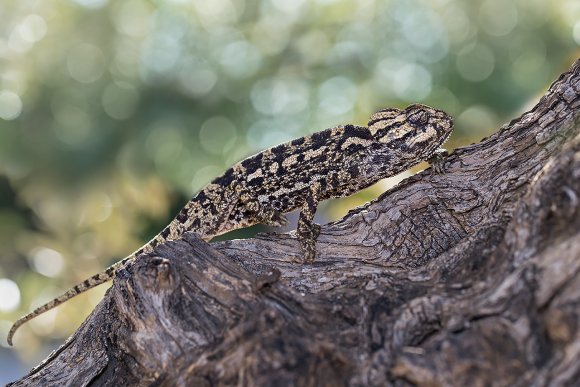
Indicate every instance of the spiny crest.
{"type": "Point", "coordinates": [415, 126]}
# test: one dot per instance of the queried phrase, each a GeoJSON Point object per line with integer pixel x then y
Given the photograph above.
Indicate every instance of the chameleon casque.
{"type": "Point", "coordinates": [333, 163]}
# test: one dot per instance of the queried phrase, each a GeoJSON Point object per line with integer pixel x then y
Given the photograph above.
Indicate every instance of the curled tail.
{"type": "Point", "coordinates": [100, 278]}
{"type": "Point", "coordinates": [87, 284]}
{"type": "Point", "coordinates": [183, 222]}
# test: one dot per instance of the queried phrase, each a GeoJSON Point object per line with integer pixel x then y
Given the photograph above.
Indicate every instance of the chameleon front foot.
{"type": "Point", "coordinates": [437, 161]}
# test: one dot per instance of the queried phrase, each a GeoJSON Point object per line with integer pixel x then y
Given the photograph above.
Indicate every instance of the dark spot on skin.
{"type": "Point", "coordinates": [279, 157]}
{"type": "Point", "coordinates": [209, 207]}
{"type": "Point", "coordinates": [334, 180]}
{"type": "Point", "coordinates": [109, 272]}
{"type": "Point", "coordinates": [300, 158]}
{"type": "Point", "coordinates": [320, 138]}
{"type": "Point", "coordinates": [298, 141]}
{"type": "Point", "coordinates": [280, 148]}
{"type": "Point", "coordinates": [289, 184]}
{"type": "Point", "coordinates": [400, 146]}
{"type": "Point", "coordinates": [165, 232]}
{"type": "Point", "coordinates": [201, 197]}
{"type": "Point", "coordinates": [280, 172]}
{"type": "Point", "coordinates": [251, 164]}
{"type": "Point", "coordinates": [354, 171]}
{"type": "Point", "coordinates": [196, 224]}
{"type": "Point", "coordinates": [301, 178]}
{"type": "Point", "coordinates": [226, 179]}
{"type": "Point", "coordinates": [386, 130]}
{"type": "Point", "coordinates": [257, 181]}
{"type": "Point", "coordinates": [356, 131]}
{"type": "Point", "coordinates": [182, 216]}
{"type": "Point", "coordinates": [236, 216]}
{"type": "Point", "coordinates": [154, 243]}
{"type": "Point", "coordinates": [352, 148]}
{"type": "Point", "coordinates": [281, 152]}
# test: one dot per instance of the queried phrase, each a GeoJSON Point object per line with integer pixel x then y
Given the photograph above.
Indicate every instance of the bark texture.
{"type": "Point", "coordinates": [471, 277]}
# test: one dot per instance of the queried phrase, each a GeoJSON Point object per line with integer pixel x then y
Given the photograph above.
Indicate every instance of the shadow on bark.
{"type": "Point", "coordinates": [471, 277]}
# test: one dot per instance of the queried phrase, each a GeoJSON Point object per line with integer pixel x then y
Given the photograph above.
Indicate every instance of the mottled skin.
{"type": "Point", "coordinates": [335, 162]}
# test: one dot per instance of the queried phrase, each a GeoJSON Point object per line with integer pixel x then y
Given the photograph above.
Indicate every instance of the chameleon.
{"type": "Point", "coordinates": [332, 163]}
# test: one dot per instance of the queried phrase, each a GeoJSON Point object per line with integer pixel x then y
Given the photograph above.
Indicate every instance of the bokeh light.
{"type": "Point", "coordinates": [10, 105]}
{"type": "Point", "coordinates": [475, 63]}
{"type": "Point", "coordinates": [10, 295]}
{"type": "Point", "coordinates": [85, 63]}
{"type": "Point", "coordinates": [120, 100]}
{"type": "Point", "coordinates": [33, 28]}
{"type": "Point", "coordinates": [113, 114]}
{"type": "Point", "coordinates": [47, 262]}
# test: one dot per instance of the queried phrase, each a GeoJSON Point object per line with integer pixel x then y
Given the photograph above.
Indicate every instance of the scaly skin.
{"type": "Point", "coordinates": [333, 163]}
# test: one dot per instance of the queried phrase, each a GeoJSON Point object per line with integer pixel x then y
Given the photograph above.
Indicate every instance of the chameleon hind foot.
{"type": "Point", "coordinates": [307, 230]}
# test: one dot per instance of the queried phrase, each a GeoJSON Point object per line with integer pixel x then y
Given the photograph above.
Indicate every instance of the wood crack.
{"type": "Point", "coordinates": [445, 279]}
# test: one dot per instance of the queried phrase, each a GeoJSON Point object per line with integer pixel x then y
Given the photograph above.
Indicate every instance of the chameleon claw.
{"type": "Point", "coordinates": [437, 161]}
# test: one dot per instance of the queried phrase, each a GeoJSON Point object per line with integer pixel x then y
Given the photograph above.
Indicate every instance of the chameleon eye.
{"type": "Point", "coordinates": [418, 118]}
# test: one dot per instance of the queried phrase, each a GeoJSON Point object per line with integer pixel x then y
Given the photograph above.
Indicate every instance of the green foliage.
{"type": "Point", "coordinates": [112, 114]}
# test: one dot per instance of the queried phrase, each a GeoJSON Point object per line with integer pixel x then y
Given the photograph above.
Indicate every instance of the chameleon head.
{"type": "Point", "coordinates": [418, 129]}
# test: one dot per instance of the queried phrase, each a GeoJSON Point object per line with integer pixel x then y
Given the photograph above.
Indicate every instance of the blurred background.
{"type": "Point", "coordinates": [114, 113]}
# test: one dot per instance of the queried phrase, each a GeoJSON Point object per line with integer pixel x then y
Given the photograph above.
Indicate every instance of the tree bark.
{"type": "Point", "coordinates": [470, 277]}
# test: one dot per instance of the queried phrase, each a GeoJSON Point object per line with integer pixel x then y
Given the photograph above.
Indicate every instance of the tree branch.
{"type": "Point", "coordinates": [468, 276]}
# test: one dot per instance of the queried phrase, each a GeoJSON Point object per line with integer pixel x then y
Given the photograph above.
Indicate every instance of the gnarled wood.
{"type": "Point", "coordinates": [471, 277]}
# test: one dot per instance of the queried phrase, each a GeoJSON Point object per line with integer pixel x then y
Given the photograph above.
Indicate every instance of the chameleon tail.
{"type": "Point", "coordinates": [87, 284]}
{"type": "Point", "coordinates": [173, 231]}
